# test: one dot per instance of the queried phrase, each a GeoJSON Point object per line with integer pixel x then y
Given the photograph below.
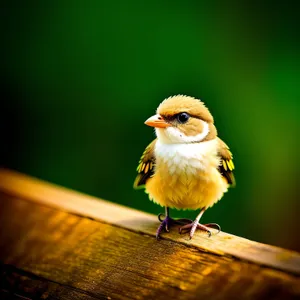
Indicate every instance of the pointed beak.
{"type": "Point", "coordinates": [157, 121]}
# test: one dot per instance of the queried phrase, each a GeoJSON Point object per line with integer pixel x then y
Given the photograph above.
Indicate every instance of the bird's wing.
{"type": "Point", "coordinates": [226, 167]}
{"type": "Point", "coordinates": [145, 168]}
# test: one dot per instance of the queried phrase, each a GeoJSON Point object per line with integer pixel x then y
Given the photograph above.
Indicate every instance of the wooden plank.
{"type": "Point", "coordinates": [45, 193]}
{"type": "Point", "coordinates": [18, 284]}
{"type": "Point", "coordinates": [100, 259]}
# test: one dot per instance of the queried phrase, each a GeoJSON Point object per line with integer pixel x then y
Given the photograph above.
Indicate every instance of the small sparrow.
{"type": "Point", "coordinates": [187, 166]}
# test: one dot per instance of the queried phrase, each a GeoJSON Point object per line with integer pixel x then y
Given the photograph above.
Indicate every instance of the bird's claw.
{"type": "Point", "coordinates": [165, 224]}
{"type": "Point", "coordinates": [188, 225]}
{"type": "Point", "coordinates": [183, 221]}
{"type": "Point", "coordinates": [215, 226]}
{"type": "Point", "coordinates": [159, 217]}
{"type": "Point", "coordinates": [195, 225]}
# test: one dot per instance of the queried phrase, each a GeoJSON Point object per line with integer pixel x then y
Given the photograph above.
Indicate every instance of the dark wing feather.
{"type": "Point", "coordinates": [226, 167]}
{"type": "Point", "coordinates": [145, 168]}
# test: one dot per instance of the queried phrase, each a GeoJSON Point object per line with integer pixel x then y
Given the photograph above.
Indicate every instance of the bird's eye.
{"type": "Point", "coordinates": [183, 117]}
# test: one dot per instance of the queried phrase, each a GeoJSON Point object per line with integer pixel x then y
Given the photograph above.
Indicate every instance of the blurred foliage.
{"type": "Point", "coordinates": [80, 78]}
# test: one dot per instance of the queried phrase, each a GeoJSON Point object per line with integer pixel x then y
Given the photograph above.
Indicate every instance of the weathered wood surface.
{"type": "Point", "coordinates": [19, 284]}
{"type": "Point", "coordinates": [59, 244]}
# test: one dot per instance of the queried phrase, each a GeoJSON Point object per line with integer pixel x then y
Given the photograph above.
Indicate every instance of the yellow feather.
{"type": "Point", "coordinates": [146, 168]}
{"type": "Point", "coordinates": [228, 164]}
{"type": "Point", "coordinates": [183, 191]}
{"type": "Point", "coordinates": [142, 167]}
{"type": "Point", "coordinates": [224, 165]}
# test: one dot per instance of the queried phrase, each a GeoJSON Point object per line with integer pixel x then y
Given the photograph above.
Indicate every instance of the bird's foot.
{"type": "Point", "coordinates": [166, 222]}
{"type": "Point", "coordinates": [165, 225]}
{"type": "Point", "coordinates": [182, 221]}
{"type": "Point", "coordinates": [194, 225]}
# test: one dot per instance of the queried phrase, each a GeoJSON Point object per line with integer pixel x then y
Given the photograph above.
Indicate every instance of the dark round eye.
{"type": "Point", "coordinates": [183, 117]}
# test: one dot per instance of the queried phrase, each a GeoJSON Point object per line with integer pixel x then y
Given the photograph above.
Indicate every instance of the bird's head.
{"type": "Point", "coordinates": [182, 119]}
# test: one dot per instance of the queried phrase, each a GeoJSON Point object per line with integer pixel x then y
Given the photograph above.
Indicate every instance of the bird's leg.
{"type": "Point", "coordinates": [181, 221]}
{"type": "Point", "coordinates": [194, 225]}
{"type": "Point", "coordinates": [165, 223]}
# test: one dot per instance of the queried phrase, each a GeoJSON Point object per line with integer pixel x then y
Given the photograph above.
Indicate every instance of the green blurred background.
{"type": "Point", "coordinates": [80, 78]}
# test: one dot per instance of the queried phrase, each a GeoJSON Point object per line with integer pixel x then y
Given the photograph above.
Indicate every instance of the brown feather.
{"type": "Point", "coordinates": [178, 104]}
{"type": "Point", "coordinates": [226, 167]}
{"type": "Point", "coordinates": [145, 168]}
{"type": "Point", "coordinates": [212, 132]}
{"type": "Point", "coordinates": [192, 127]}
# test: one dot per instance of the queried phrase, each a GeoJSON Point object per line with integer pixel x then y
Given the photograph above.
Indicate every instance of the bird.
{"type": "Point", "coordinates": [187, 166]}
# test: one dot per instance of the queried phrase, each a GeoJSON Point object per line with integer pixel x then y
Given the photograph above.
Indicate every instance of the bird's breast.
{"type": "Point", "coordinates": [186, 175]}
{"type": "Point", "coordinates": [187, 158]}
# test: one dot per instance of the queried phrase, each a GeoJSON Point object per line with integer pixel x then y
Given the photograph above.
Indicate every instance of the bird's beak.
{"type": "Point", "coordinates": [157, 121]}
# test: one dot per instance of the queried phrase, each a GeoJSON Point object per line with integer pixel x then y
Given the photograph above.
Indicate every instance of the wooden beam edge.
{"type": "Point", "coordinates": [36, 190]}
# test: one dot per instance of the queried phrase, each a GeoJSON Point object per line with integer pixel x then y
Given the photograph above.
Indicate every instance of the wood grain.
{"type": "Point", "coordinates": [18, 284]}
{"type": "Point", "coordinates": [223, 244]}
{"type": "Point", "coordinates": [95, 260]}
